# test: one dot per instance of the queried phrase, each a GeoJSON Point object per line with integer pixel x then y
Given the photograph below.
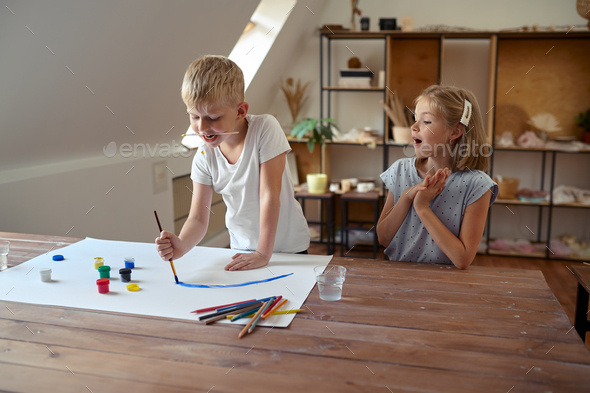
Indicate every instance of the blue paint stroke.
{"type": "Point", "coordinates": [232, 285]}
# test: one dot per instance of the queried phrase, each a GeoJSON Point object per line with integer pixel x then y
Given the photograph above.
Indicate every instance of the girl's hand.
{"type": "Point", "coordinates": [169, 246]}
{"type": "Point", "coordinates": [247, 261]}
{"type": "Point", "coordinates": [412, 191]}
{"type": "Point", "coordinates": [434, 186]}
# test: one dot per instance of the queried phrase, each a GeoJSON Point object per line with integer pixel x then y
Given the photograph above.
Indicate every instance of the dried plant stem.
{"type": "Point", "coordinates": [295, 96]}
{"type": "Point", "coordinates": [395, 111]}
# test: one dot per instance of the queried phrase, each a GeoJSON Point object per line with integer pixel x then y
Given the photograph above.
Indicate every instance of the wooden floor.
{"type": "Point", "coordinates": [559, 278]}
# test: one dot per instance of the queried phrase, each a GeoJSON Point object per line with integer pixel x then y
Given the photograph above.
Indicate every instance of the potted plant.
{"type": "Point", "coordinates": [583, 120]}
{"type": "Point", "coordinates": [318, 131]}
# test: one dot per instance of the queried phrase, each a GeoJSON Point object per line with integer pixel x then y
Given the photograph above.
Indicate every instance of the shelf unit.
{"type": "Point", "coordinates": [414, 60]}
{"type": "Point", "coordinates": [534, 73]}
{"type": "Point", "coordinates": [549, 205]}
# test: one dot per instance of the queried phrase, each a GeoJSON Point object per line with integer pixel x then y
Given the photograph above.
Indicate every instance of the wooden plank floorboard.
{"type": "Point", "coordinates": [505, 302]}
{"type": "Point", "coordinates": [60, 341]}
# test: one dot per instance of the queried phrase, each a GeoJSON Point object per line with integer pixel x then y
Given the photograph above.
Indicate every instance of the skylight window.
{"type": "Point", "coordinates": [254, 43]}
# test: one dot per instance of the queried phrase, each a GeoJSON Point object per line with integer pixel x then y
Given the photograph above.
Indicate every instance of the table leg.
{"type": "Point", "coordinates": [581, 319]}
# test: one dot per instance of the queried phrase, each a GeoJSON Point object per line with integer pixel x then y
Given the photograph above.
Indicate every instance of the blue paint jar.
{"type": "Point", "coordinates": [129, 262]}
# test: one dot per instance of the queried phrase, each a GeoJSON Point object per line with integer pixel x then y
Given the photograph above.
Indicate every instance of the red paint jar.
{"type": "Point", "coordinates": [103, 285]}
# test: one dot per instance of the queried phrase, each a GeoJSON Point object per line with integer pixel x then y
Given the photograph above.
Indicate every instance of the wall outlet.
{"type": "Point", "coordinates": [160, 177]}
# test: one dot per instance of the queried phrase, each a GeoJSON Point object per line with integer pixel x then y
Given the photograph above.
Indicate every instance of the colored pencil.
{"type": "Point", "coordinates": [231, 310]}
{"type": "Point", "coordinates": [224, 305]}
{"type": "Point", "coordinates": [292, 311]}
{"type": "Point", "coordinates": [272, 305]}
{"type": "Point", "coordinates": [254, 301]}
{"type": "Point", "coordinates": [280, 312]}
{"type": "Point", "coordinates": [256, 318]}
{"type": "Point", "coordinates": [246, 314]}
{"type": "Point", "coordinates": [274, 309]}
{"type": "Point", "coordinates": [224, 315]}
{"type": "Point", "coordinates": [245, 329]}
{"type": "Point", "coordinates": [171, 262]}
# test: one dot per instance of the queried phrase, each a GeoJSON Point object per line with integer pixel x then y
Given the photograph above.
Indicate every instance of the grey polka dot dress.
{"type": "Point", "coordinates": [412, 241]}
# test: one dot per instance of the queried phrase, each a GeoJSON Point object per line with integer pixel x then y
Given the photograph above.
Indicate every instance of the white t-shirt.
{"type": "Point", "coordinates": [239, 185]}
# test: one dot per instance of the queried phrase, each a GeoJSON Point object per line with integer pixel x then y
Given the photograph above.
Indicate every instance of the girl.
{"type": "Point", "coordinates": [437, 202]}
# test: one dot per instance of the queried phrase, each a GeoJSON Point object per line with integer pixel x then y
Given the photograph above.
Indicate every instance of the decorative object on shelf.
{"type": "Point", "coordinates": [354, 76]}
{"type": "Point", "coordinates": [532, 196]}
{"type": "Point", "coordinates": [571, 146]}
{"type": "Point", "coordinates": [506, 140]}
{"type": "Point", "coordinates": [507, 187]}
{"type": "Point", "coordinates": [365, 23]}
{"type": "Point", "coordinates": [402, 133]}
{"type": "Point", "coordinates": [334, 187]}
{"type": "Point", "coordinates": [530, 140]}
{"type": "Point", "coordinates": [583, 8]}
{"type": "Point", "coordinates": [346, 185]}
{"type": "Point", "coordinates": [583, 119]}
{"type": "Point", "coordinates": [545, 123]}
{"type": "Point", "coordinates": [295, 95]}
{"type": "Point", "coordinates": [355, 11]}
{"type": "Point", "coordinates": [354, 62]}
{"type": "Point", "coordinates": [407, 23]}
{"type": "Point", "coordinates": [568, 246]}
{"type": "Point", "coordinates": [365, 187]}
{"type": "Point", "coordinates": [568, 194]}
{"type": "Point", "coordinates": [364, 136]}
{"type": "Point", "coordinates": [318, 131]}
{"type": "Point", "coordinates": [520, 246]}
{"type": "Point", "coordinates": [381, 83]}
{"type": "Point", "coordinates": [387, 24]}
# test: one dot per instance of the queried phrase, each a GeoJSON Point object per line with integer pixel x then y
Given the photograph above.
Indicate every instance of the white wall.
{"type": "Point", "coordinates": [53, 130]}
{"type": "Point", "coordinates": [108, 201]}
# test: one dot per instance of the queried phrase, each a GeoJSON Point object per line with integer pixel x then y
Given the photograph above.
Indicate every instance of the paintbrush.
{"type": "Point", "coordinates": [171, 263]}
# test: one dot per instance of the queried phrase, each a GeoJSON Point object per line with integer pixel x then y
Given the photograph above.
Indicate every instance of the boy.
{"type": "Point", "coordinates": [242, 157]}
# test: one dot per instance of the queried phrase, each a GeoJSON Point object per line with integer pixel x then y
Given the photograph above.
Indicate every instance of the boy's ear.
{"type": "Point", "coordinates": [242, 110]}
{"type": "Point", "coordinates": [457, 131]}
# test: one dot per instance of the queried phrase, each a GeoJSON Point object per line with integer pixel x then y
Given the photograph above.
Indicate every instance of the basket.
{"type": "Point", "coordinates": [508, 187]}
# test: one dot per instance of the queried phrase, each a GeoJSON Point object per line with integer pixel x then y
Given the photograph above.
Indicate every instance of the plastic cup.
{"type": "Point", "coordinates": [330, 280]}
{"type": "Point", "coordinates": [4, 248]}
{"type": "Point", "coordinates": [104, 271]}
{"type": "Point", "coordinates": [103, 285]}
{"type": "Point", "coordinates": [129, 262]}
{"type": "Point", "coordinates": [45, 275]}
{"type": "Point", "coordinates": [125, 274]}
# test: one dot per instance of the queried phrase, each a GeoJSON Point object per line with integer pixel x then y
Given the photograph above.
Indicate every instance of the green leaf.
{"type": "Point", "coordinates": [296, 131]}
{"type": "Point", "coordinates": [310, 145]}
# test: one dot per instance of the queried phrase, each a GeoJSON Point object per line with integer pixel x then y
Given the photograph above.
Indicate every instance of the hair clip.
{"type": "Point", "coordinates": [467, 109]}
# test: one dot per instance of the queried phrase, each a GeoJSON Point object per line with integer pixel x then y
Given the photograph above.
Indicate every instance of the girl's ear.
{"type": "Point", "coordinates": [242, 110]}
{"type": "Point", "coordinates": [457, 131]}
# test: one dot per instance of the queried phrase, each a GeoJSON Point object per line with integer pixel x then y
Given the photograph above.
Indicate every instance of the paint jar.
{"type": "Point", "coordinates": [104, 271]}
{"type": "Point", "coordinates": [45, 275]}
{"type": "Point", "coordinates": [129, 262]}
{"type": "Point", "coordinates": [98, 262]}
{"type": "Point", "coordinates": [103, 285]}
{"type": "Point", "coordinates": [125, 274]}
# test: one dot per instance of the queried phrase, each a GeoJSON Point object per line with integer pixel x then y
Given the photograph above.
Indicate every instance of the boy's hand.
{"type": "Point", "coordinates": [434, 186]}
{"type": "Point", "coordinates": [247, 261]}
{"type": "Point", "coordinates": [169, 246]}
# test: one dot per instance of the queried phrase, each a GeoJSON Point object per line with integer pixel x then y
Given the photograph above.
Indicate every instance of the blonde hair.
{"type": "Point", "coordinates": [449, 101]}
{"type": "Point", "coordinates": [213, 79]}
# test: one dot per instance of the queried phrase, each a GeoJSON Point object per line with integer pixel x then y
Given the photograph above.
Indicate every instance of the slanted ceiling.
{"type": "Point", "coordinates": [76, 75]}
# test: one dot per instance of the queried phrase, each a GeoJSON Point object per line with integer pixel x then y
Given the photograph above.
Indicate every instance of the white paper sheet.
{"type": "Point", "coordinates": [74, 280]}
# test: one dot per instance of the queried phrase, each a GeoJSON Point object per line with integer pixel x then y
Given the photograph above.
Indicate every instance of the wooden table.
{"type": "Point", "coordinates": [400, 327]}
